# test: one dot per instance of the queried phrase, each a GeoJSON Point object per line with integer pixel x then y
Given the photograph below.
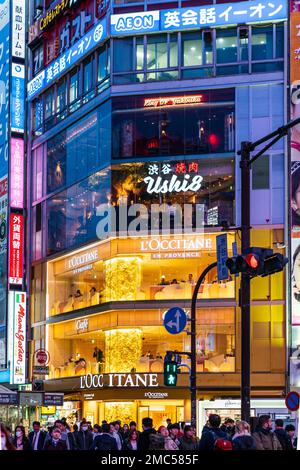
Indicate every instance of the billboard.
{"type": "Point", "coordinates": [16, 182]}
{"type": "Point", "coordinates": [17, 336]}
{"type": "Point", "coordinates": [17, 114]}
{"type": "Point", "coordinates": [16, 240]}
{"type": "Point", "coordinates": [18, 28]}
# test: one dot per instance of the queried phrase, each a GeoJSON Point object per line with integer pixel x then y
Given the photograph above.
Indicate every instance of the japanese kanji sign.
{"type": "Point", "coordinates": [198, 17]}
{"type": "Point", "coordinates": [17, 108]}
{"type": "Point", "coordinates": [93, 38]}
{"type": "Point", "coordinates": [18, 28]}
{"type": "Point", "coordinates": [16, 173]}
{"type": "Point", "coordinates": [17, 336]}
{"type": "Point", "coordinates": [16, 239]}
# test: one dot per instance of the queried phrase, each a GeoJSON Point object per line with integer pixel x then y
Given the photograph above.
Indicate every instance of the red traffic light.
{"type": "Point", "coordinates": [252, 260]}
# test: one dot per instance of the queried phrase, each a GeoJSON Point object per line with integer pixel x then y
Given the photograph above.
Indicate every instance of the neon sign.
{"type": "Point", "coordinates": [172, 101]}
{"type": "Point", "coordinates": [172, 180]}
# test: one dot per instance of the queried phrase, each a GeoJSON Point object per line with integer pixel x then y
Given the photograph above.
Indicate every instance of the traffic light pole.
{"type": "Point", "coordinates": [193, 376]}
{"type": "Point", "coordinates": [245, 165]}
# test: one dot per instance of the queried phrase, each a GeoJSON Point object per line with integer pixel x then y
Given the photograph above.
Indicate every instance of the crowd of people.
{"type": "Point", "coordinates": [230, 435]}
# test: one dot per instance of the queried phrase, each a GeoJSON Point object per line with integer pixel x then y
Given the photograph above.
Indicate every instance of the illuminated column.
{"type": "Point", "coordinates": [122, 278]}
{"type": "Point", "coordinates": [123, 349]}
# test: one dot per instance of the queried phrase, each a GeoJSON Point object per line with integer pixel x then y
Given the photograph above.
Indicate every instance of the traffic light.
{"type": "Point", "coordinates": [170, 373]}
{"type": "Point", "coordinates": [257, 262]}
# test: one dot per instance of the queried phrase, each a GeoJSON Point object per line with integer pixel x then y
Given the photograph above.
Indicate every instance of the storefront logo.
{"type": "Point", "coordinates": [118, 380]}
{"type": "Point", "coordinates": [137, 22]}
{"type": "Point", "coordinates": [172, 101]}
{"type": "Point", "coordinates": [181, 177]}
{"type": "Point", "coordinates": [156, 395]}
{"type": "Point", "coordinates": [79, 260]}
{"type": "Point", "coordinates": [82, 325]}
{"type": "Point", "coordinates": [155, 244]}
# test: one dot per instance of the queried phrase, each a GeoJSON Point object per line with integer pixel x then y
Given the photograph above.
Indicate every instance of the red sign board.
{"type": "Point", "coordinates": [42, 357]}
{"type": "Point", "coordinates": [16, 239]}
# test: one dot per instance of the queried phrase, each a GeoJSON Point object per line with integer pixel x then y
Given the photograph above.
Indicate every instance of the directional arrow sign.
{"type": "Point", "coordinates": [175, 320]}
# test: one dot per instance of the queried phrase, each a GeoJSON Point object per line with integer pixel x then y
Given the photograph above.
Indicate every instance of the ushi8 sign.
{"type": "Point", "coordinates": [198, 17]}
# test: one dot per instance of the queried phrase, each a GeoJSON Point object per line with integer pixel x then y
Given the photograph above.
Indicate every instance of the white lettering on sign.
{"type": "Point", "coordinates": [79, 260]}
{"type": "Point", "coordinates": [118, 380]}
{"type": "Point", "coordinates": [82, 325]}
{"type": "Point", "coordinates": [196, 244]}
{"type": "Point", "coordinates": [161, 186]}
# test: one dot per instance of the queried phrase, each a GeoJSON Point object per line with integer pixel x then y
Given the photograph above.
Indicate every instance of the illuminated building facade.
{"type": "Point", "coordinates": [148, 104]}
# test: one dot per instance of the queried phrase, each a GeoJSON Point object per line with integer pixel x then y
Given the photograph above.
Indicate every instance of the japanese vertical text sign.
{"type": "Point", "coordinates": [16, 239]}
{"type": "Point", "coordinates": [16, 173]}
{"type": "Point", "coordinates": [18, 333]}
{"type": "Point", "coordinates": [17, 111]}
{"type": "Point", "coordinates": [18, 28]}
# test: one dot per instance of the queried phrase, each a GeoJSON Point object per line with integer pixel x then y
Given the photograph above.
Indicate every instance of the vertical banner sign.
{"type": "Point", "coordinates": [4, 123]}
{"type": "Point", "coordinates": [16, 173]}
{"type": "Point", "coordinates": [16, 234]}
{"type": "Point", "coordinates": [295, 161]}
{"type": "Point", "coordinates": [18, 28]}
{"type": "Point", "coordinates": [17, 335]}
{"type": "Point", "coordinates": [17, 111]}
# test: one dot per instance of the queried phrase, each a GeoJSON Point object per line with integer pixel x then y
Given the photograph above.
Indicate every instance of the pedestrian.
{"type": "Point", "coordinates": [55, 443]}
{"type": "Point", "coordinates": [169, 422]}
{"type": "Point", "coordinates": [96, 430]}
{"type": "Point", "coordinates": [116, 427]}
{"type": "Point", "coordinates": [188, 441]}
{"type": "Point", "coordinates": [263, 435]}
{"type": "Point", "coordinates": [131, 442]}
{"type": "Point", "coordinates": [282, 435]}
{"type": "Point", "coordinates": [174, 431]}
{"type": "Point", "coordinates": [144, 442]}
{"type": "Point", "coordinates": [5, 442]}
{"type": "Point", "coordinates": [132, 427]}
{"type": "Point", "coordinates": [37, 436]}
{"type": "Point", "coordinates": [228, 427]}
{"type": "Point", "coordinates": [125, 431]}
{"type": "Point", "coordinates": [291, 431]}
{"type": "Point", "coordinates": [242, 439]}
{"type": "Point", "coordinates": [213, 438]}
{"type": "Point", "coordinates": [169, 444]}
{"type": "Point", "coordinates": [105, 441]}
{"type": "Point", "coordinates": [66, 435]}
{"type": "Point", "coordinates": [21, 442]}
{"type": "Point", "coordinates": [84, 438]}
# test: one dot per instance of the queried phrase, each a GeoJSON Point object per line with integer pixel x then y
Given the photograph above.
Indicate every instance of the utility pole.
{"type": "Point", "coordinates": [245, 164]}
{"type": "Point", "coordinates": [193, 377]}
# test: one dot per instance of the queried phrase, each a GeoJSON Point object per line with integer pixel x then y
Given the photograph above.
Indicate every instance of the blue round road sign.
{"type": "Point", "coordinates": [175, 320]}
{"type": "Point", "coordinates": [292, 401]}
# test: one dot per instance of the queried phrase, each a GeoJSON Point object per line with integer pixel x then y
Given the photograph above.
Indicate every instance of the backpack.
{"type": "Point", "coordinates": [221, 443]}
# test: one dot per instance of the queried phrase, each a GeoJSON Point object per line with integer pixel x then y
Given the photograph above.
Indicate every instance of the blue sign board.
{"type": "Point", "coordinates": [93, 38]}
{"type": "Point", "coordinates": [222, 256]}
{"type": "Point", "coordinates": [181, 19]}
{"type": "Point", "coordinates": [175, 320]}
{"type": "Point", "coordinates": [17, 98]}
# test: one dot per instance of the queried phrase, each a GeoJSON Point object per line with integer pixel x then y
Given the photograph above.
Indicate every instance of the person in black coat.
{"type": "Point", "coordinates": [282, 435]}
{"type": "Point", "coordinates": [37, 436]}
{"type": "Point", "coordinates": [242, 439]}
{"type": "Point", "coordinates": [131, 442]}
{"type": "Point", "coordinates": [144, 438]}
{"type": "Point", "coordinates": [55, 443]}
{"type": "Point", "coordinates": [84, 438]}
{"type": "Point", "coordinates": [211, 432]}
{"type": "Point", "coordinates": [105, 441]}
{"type": "Point", "coordinates": [21, 442]}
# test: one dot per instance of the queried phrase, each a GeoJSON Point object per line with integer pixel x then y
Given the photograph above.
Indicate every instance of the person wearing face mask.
{"type": "Point", "coordinates": [20, 441]}
{"type": "Point", "coordinates": [5, 443]}
{"type": "Point", "coordinates": [264, 437]}
{"type": "Point", "coordinates": [84, 438]}
{"type": "Point", "coordinates": [55, 443]}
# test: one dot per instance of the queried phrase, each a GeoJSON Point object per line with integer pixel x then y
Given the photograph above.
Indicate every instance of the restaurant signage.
{"type": "Point", "coordinates": [18, 28]}
{"type": "Point", "coordinates": [82, 325]}
{"type": "Point", "coordinates": [17, 336]}
{"type": "Point", "coordinates": [118, 380]}
{"type": "Point", "coordinates": [40, 370]}
{"type": "Point", "coordinates": [178, 177]}
{"type": "Point", "coordinates": [58, 7]}
{"type": "Point", "coordinates": [208, 16]}
{"type": "Point", "coordinates": [16, 231]}
{"type": "Point", "coordinates": [42, 357]}
{"type": "Point", "coordinates": [9, 399]}
{"type": "Point", "coordinates": [172, 101]}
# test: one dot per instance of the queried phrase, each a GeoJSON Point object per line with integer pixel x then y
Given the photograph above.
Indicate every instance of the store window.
{"type": "Point", "coordinates": [261, 173]}
{"type": "Point", "coordinates": [262, 42]}
{"type": "Point", "coordinates": [227, 43]}
{"type": "Point", "coordinates": [71, 214]}
{"type": "Point", "coordinates": [88, 79]}
{"type": "Point", "coordinates": [82, 346]}
{"type": "Point", "coordinates": [37, 116]}
{"type": "Point", "coordinates": [197, 48]}
{"type": "Point", "coordinates": [74, 90]}
{"type": "Point", "coordinates": [49, 108]}
{"type": "Point", "coordinates": [123, 55]}
{"type": "Point", "coordinates": [61, 99]}
{"type": "Point", "coordinates": [103, 63]}
{"type": "Point", "coordinates": [38, 59]}
{"type": "Point", "coordinates": [143, 127]}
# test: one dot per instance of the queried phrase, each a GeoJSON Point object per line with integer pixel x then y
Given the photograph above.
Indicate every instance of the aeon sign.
{"type": "Point", "coordinates": [118, 380]}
